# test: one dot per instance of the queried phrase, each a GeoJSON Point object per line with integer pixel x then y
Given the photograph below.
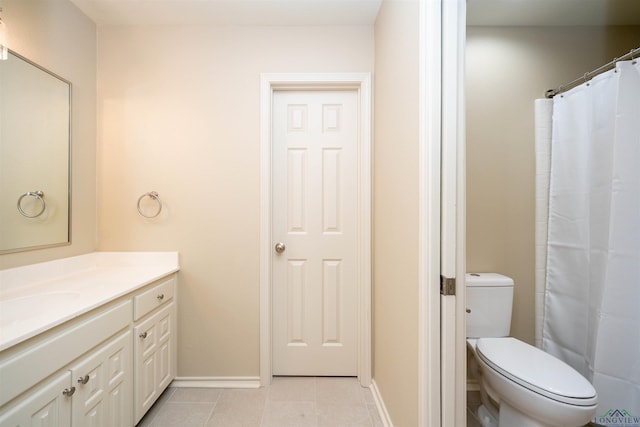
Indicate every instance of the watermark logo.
{"type": "Point", "coordinates": [617, 417]}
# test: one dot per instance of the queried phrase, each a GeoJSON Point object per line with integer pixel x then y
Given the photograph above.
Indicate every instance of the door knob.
{"type": "Point", "coordinates": [280, 247]}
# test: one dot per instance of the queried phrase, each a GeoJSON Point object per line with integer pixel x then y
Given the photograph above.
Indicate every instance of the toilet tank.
{"type": "Point", "coordinates": [489, 304]}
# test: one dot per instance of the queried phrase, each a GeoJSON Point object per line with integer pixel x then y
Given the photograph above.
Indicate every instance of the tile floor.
{"type": "Point", "coordinates": [288, 401]}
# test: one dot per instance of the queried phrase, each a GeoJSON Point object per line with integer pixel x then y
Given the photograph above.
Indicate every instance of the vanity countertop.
{"type": "Point", "coordinates": [38, 297]}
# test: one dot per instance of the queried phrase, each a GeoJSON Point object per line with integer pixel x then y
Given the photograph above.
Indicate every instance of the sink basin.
{"type": "Point", "coordinates": [15, 309]}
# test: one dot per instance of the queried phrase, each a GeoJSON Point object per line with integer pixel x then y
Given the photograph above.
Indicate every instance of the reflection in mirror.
{"type": "Point", "coordinates": [34, 156]}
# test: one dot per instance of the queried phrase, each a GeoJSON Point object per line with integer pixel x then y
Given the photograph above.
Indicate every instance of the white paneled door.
{"type": "Point", "coordinates": [315, 184]}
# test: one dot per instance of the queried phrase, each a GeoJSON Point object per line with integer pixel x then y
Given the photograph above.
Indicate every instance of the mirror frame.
{"type": "Point", "coordinates": [69, 163]}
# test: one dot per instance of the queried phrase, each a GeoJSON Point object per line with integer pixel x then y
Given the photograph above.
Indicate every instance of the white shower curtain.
{"type": "Point", "coordinates": [592, 295]}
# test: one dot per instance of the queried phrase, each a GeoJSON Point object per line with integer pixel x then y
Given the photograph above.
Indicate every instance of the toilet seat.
{"type": "Point", "coordinates": [536, 370]}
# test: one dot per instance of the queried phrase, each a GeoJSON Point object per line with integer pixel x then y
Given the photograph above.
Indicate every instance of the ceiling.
{"type": "Point", "coordinates": [553, 12]}
{"type": "Point", "coordinates": [350, 12]}
{"type": "Point", "coordinates": [230, 12]}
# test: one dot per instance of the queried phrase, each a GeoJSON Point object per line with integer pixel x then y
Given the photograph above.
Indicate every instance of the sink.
{"type": "Point", "coordinates": [28, 306]}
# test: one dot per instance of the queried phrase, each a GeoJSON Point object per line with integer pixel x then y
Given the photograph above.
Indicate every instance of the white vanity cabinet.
{"type": "Point", "coordinates": [154, 344]}
{"type": "Point", "coordinates": [103, 383]}
{"type": "Point", "coordinates": [39, 378]}
{"type": "Point", "coordinates": [103, 367]}
{"type": "Point", "coordinates": [48, 405]}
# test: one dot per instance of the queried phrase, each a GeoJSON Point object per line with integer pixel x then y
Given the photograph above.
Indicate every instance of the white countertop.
{"type": "Point", "coordinates": [38, 297]}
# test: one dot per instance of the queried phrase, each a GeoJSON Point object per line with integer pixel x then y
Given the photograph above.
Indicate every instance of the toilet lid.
{"type": "Point", "coordinates": [536, 370]}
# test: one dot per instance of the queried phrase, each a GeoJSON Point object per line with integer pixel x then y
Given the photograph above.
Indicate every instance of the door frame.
{"type": "Point", "coordinates": [442, 218]}
{"type": "Point", "coordinates": [453, 231]}
{"type": "Point", "coordinates": [429, 221]}
{"type": "Point", "coordinates": [361, 83]}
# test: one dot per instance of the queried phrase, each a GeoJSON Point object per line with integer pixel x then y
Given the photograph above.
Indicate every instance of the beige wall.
{"type": "Point", "coordinates": [507, 68]}
{"type": "Point", "coordinates": [396, 210]}
{"type": "Point", "coordinates": [179, 114]}
{"type": "Point", "coordinates": [57, 36]}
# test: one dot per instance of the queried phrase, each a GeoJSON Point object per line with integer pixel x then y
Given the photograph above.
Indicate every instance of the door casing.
{"type": "Point", "coordinates": [361, 83]}
{"type": "Point", "coordinates": [442, 233]}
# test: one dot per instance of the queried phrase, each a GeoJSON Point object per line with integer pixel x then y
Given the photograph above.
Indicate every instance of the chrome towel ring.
{"type": "Point", "coordinates": [39, 195]}
{"type": "Point", "coordinates": [154, 196]}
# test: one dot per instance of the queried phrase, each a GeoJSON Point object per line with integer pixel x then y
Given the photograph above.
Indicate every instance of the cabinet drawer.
{"type": "Point", "coordinates": [148, 300]}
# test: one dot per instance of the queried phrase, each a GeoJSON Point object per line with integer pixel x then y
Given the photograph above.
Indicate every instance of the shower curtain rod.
{"type": "Point", "coordinates": [633, 53]}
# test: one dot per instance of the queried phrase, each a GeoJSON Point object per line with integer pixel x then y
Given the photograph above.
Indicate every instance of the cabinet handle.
{"type": "Point", "coordinates": [69, 391]}
{"type": "Point", "coordinates": [83, 380]}
{"type": "Point", "coordinates": [143, 335]}
{"type": "Point", "coordinates": [160, 297]}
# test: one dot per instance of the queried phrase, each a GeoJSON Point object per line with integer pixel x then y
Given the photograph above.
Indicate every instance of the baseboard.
{"type": "Point", "coordinates": [216, 382]}
{"type": "Point", "coordinates": [382, 410]}
{"type": "Point", "coordinates": [472, 385]}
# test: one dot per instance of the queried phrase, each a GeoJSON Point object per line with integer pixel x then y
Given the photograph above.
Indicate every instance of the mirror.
{"type": "Point", "coordinates": [35, 107]}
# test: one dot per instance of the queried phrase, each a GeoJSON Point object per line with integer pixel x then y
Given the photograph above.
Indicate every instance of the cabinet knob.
{"type": "Point", "coordinates": [143, 335]}
{"type": "Point", "coordinates": [160, 297]}
{"type": "Point", "coordinates": [83, 380]}
{"type": "Point", "coordinates": [69, 391]}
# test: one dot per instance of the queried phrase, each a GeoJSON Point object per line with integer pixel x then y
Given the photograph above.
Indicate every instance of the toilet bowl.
{"type": "Point", "coordinates": [532, 387]}
{"type": "Point", "coordinates": [521, 385]}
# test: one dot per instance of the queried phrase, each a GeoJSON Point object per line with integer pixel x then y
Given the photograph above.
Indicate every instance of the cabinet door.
{"type": "Point", "coordinates": [154, 358]}
{"type": "Point", "coordinates": [46, 406]}
{"type": "Point", "coordinates": [103, 385]}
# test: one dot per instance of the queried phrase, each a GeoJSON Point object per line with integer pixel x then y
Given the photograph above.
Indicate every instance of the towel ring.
{"type": "Point", "coordinates": [39, 195]}
{"type": "Point", "coordinates": [154, 196]}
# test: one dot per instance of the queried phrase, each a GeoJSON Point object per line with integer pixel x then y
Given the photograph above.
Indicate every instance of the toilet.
{"type": "Point", "coordinates": [520, 385]}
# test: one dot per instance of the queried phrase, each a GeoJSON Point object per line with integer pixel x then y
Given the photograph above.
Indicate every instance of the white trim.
{"type": "Point", "coordinates": [453, 328]}
{"type": "Point", "coordinates": [472, 385]}
{"type": "Point", "coordinates": [461, 197]}
{"type": "Point", "coordinates": [380, 406]}
{"type": "Point", "coordinates": [430, 95]}
{"type": "Point", "coordinates": [361, 82]}
{"type": "Point", "coordinates": [216, 382]}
